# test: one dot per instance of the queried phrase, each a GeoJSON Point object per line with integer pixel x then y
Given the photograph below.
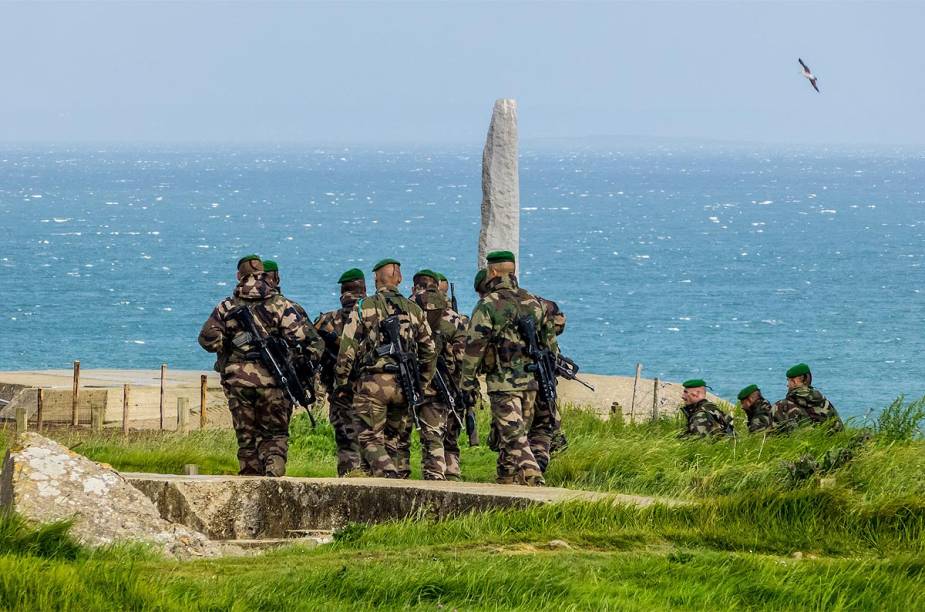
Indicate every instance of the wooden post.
{"type": "Point", "coordinates": [163, 382]}
{"type": "Point", "coordinates": [22, 420]}
{"type": "Point", "coordinates": [39, 408]}
{"type": "Point", "coordinates": [126, 390]}
{"type": "Point", "coordinates": [203, 417]}
{"type": "Point", "coordinates": [616, 412]}
{"type": "Point", "coordinates": [183, 415]}
{"type": "Point", "coordinates": [635, 385]}
{"type": "Point", "coordinates": [191, 469]}
{"type": "Point", "coordinates": [97, 410]}
{"type": "Point", "coordinates": [655, 401]}
{"type": "Point", "coordinates": [75, 395]}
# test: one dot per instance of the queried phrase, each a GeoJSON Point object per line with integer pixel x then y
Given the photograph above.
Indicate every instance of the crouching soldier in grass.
{"type": "Point", "coordinates": [757, 409]}
{"type": "Point", "coordinates": [259, 408]}
{"type": "Point", "coordinates": [494, 345]}
{"type": "Point", "coordinates": [804, 403]}
{"type": "Point", "coordinates": [704, 418]}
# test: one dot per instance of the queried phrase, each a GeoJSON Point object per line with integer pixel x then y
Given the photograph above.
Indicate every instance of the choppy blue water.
{"type": "Point", "coordinates": [728, 264]}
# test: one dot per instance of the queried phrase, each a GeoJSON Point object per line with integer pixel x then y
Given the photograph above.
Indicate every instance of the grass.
{"type": "Point", "coordinates": [812, 520]}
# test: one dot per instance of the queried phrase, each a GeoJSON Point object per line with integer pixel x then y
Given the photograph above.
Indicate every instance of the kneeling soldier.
{"type": "Point", "coordinates": [757, 409]}
{"type": "Point", "coordinates": [381, 402]}
{"type": "Point", "coordinates": [704, 418]}
{"type": "Point", "coordinates": [804, 403]}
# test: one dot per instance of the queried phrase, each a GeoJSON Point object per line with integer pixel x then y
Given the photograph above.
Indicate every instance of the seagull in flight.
{"type": "Point", "coordinates": [809, 75]}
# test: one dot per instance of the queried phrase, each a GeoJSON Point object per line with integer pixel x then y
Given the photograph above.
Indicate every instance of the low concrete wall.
{"type": "Point", "coordinates": [239, 507]}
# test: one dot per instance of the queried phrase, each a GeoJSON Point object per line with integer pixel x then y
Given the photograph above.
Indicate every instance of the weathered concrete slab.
{"type": "Point", "coordinates": [45, 482]}
{"type": "Point", "coordinates": [240, 507]}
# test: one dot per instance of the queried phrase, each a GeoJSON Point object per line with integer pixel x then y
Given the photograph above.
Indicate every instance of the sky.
{"type": "Point", "coordinates": [428, 72]}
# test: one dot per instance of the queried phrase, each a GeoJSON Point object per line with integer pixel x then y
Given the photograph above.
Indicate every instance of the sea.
{"type": "Point", "coordinates": [696, 260]}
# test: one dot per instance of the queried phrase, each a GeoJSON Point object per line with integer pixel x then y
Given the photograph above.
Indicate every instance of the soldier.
{"type": "Point", "coordinates": [804, 403]}
{"type": "Point", "coordinates": [271, 276]}
{"type": "Point", "coordinates": [379, 401]}
{"type": "Point", "coordinates": [704, 418]}
{"type": "Point", "coordinates": [330, 326]}
{"type": "Point", "coordinates": [449, 341]}
{"type": "Point", "coordinates": [453, 427]}
{"type": "Point", "coordinates": [546, 435]}
{"type": "Point", "coordinates": [259, 408]}
{"type": "Point", "coordinates": [758, 410]}
{"type": "Point", "coordinates": [494, 345]}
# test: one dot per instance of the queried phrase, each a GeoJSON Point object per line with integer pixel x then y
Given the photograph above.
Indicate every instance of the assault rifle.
{"type": "Point", "coordinates": [295, 380]}
{"type": "Point", "coordinates": [453, 301]}
{"type": "Point", "coordinates": [544, 360]}
{"type": "Point", "coordinates": [329, 357]}
{"type": "Point", "coordinates": [406, 366]}
{"type": "Point", "coordinates": [568, 369]}
{"type": "Point", "coordinates": [453, 397]}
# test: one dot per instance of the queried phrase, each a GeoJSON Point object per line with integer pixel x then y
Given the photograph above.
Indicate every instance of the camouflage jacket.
{"type": "Point", "coordinates": [554, 314]}
{"type": "Point", "coordinates": [493, 344]}
{"type": "Point", "coordinates": [362, 336]}
{"type": "Point", "coordinates": [447, 329]}
{"type": "Point", "coordinates": [706, 419]}
{"type": "Point", "coordinates": [804, 404]}
{"type": "Point", "coordinates": [760, 416]}
{"type": "Point", "coordinates": [238, 360]}
{"type": "Point", "coordinates": [330, 326]}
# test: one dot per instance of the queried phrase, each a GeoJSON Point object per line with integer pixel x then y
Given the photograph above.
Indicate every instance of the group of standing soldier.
{"type": "Point", "coordinates": [372, 408]}
{"type": "Point", "coordinates": [803, 405]}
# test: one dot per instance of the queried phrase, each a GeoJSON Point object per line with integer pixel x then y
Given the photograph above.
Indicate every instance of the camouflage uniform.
{"type": "Point", "coordinates": [384, 418]}
{"type": "Point", "coordinates": [805, 404]}
{"type": "Point", "coordinates": [704, 418]}
{"type": "Point", "coordinates": [341, 413]}
{"type": "Point", "coordinates": [259, 409]}
{"type": "Point", "coordinates": [450, 342]}
{"type": "Point", "coordinates": [760, 416]}
{"type": "Point", "coordinates": [545, 434]}
{"type": "Point", "coordinates": [493, 345]}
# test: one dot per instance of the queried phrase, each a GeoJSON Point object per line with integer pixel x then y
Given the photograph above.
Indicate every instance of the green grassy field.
{"type": "Point", "coordinates": [812, 520]}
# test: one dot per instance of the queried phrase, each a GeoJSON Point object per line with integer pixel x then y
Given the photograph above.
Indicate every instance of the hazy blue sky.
{"type": "Point", "coordinates": [429, 72]}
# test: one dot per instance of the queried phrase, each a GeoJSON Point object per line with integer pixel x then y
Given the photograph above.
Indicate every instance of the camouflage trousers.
{"type": "Point", "coordinates": [344, 420]}
{"type": "Point", "coordinates": [451, 449]}
{"type": "Point", "coordinates": [540, 435]}
{"type": "Point", "coordinates": [384, 424]}
{"type": "Point", "coordinates": [261, 425]}
{"type": "Point", "coordinates": [512, 418]}
{"type": "Point", "coordinates": [432, 415]}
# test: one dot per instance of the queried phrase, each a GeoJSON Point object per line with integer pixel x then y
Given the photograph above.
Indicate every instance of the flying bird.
{"type": "Point", "coordinates": [809, 75]}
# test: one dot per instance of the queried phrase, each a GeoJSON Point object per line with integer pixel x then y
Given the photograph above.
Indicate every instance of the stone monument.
{"type": "Point", "coordinates": [500, 184]}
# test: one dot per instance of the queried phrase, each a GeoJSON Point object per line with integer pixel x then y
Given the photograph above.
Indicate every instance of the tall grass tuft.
{"type": "Point", "coordinates": [901, 422]}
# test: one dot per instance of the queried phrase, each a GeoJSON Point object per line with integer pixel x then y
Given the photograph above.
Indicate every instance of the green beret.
{"type": "Point", "coordinates": [351, 275]}
{"type": "Point", "coordinates": [693, 383]}
{"type": "Point", "coordinates": [499, 256]}
{"type": "Point", "coordinates": [747, 391]}
{"type": "Point", "coordinates": [386, 262]}
{"type": "Point", "coordinates": [441, 277]}
{"type": "Point", "coordinates": [270, 266]}
{"type": "Point", "coordinates": [800, 369]}
{"type": "Point", "coordinates": [479, 279]}
{"type": "Point", "coordinates": [248, 258]}
{"type": "Point", "coordinates": [428, 273]}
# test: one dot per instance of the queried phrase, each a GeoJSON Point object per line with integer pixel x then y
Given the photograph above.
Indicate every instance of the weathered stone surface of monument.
{"type": "Point", "coordinates": [45, 482]}
{"type": "Point", "coordinates": [500, 184]}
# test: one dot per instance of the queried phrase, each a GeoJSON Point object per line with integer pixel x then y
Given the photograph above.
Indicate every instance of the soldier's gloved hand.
{"type": "Point", "coordinates": [471, 398]}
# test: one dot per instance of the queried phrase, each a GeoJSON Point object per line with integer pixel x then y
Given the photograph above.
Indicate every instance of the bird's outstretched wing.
{"type": "Point", "coordinates": [805, 67]}
{"type": "Point", "coordinates": [813, 83]}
